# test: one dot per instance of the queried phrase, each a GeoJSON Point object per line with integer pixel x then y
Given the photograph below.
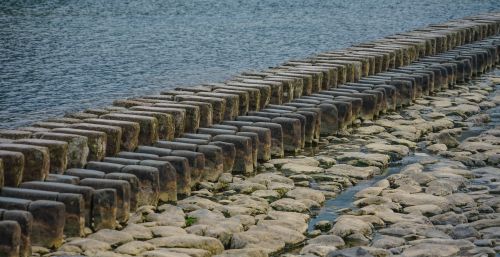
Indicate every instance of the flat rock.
{"type": "Point", "coordinates": [364, 159]}
{"type": "Point", "coordinates": [399, 151]}
{"type": "Point", "coordinates": [306, 193]}
{"type": "Point", "coordinates": [112, 237]}
{"type": "Point", "coordinates": [352, 171]}
{"type": "Point", "coordinates": [134, 247]}
{"type": "Point", "coordinates": [166, 231]}
{"type": "Point", "coordinates": [430, 250]}
{"type": "Point", "coordinates": [345, 226]}
{"type": "Point", "coordinates": [289, 205]}
{"type": "Point", "coordinates": [210, 244]}
{"type": "Point", "coordinates": [247, 252]}
{"type": "Point", "coordinates": [300, 169]}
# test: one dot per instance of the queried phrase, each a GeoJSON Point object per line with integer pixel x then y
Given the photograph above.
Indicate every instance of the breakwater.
{"type": "Point", "coordinates": [89, 170]}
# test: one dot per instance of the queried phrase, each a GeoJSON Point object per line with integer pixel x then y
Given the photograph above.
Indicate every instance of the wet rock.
{"type": "Point", "coordinates": [323, 225]}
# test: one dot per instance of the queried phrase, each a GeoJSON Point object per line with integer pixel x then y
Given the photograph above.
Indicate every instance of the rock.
{"type": "Point", "coordinates": [163, 253]}
{"type": "Point", "coordinates": [254, 205]}
{"type": "Point", "coordinates": [138, 232]}
{"type": "Point", "coordinates": [398, 151]}
{"type": "Point", "coordinates": [86, 244]}
{"type": "Point", "coordinates": [344, 227]}
{"type": "Point", "coordinates": [463, 110]}
{"type": "Point", "coordinates": [317, 250]}
{"type": "Point", "coordinates": [327, 240]}
{"type": "Point", "coordinates": [460, 243]}
{"type": "Point", "coordinates": [226, 178]}
{"type": "Point", "coordinates": [192, 252]}
{"type": "Point", "coordinates": [364, 159]}
{"type": "Point", "coordinates": [247, 252]}
{"type": "Point", "coordinates": [246, 187]}
{"type": "Point", "coordinates": [424, 209]}
{"type": "Point", "coordinates": [271, 239]}
{"type": "Point", "coordinates": [352, 171]}
{"type": "Point", "coordinates": [449, 218]}
{"type": "Point", "coordinates": [300, 169]}
{"type": "Point", "coordinates": [269, 178]}
{"type": "Point", "coordinates": [436, 148]}
{"type": "Point", "coordinates": [166, 219]}
{"type": "Point", "coordinates": [370, 130]}
{"type": "Point", "coordinates": [440, 187]}
{"type": "Point", "coordinates": [430, 250]}
{"type": "Point", "coordinates": [166, 231]}
{"type": "Point", "coordinates": [368, 192]}
{"type": "Point", "coordinates": [289, 204]}
{"type": "Point", "coordinates": [486, 223]}
{"type": "Point", "coordinates": [202, 203]}
{"type": "Point", "coordinates": [270, 195]}
{"type": "Point", "coordinates": [463, 231]}
{"type": "Point", "coordinates": [387, 242]}
{"type": "Point", "coordinates": [134, 248]}
{"type": "Point", "coordinates": [323, 225]}
{"type": "Point", "coordinates": [306, 193]}
{"type": "Point", "coordinates": [350, 252]}
{"type": "Point", "coordinates": [325, 161]}
{"type": "Point", "coordinates": [307, 161]}
{"type": "Point", "coordinates": [112, 237]}
{"type": "Point", "coordinates": [292, 220]}
{"type": "Point", "coordinates": [406, 199]}
{"type": "Point", "coordinates": [210, 244]}
{"type": "Point", "coordinates": [280, 187]}
{"type": "Point", "coordinates": [404, 182]}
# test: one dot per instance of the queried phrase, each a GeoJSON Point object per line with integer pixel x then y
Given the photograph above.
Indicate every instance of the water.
{"type": "Point", "coordinates": [67, 55]}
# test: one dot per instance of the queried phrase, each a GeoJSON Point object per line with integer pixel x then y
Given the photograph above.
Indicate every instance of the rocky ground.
{"type": "Point", "coordinates": [440, 197]}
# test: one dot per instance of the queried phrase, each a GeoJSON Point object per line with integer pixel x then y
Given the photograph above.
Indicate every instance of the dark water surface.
{"type": "Point", "coordinates": [67, 55]}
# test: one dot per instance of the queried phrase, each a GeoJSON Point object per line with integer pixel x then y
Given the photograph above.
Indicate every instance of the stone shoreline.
{"type": "Point", "coordinates": [175, 174]}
